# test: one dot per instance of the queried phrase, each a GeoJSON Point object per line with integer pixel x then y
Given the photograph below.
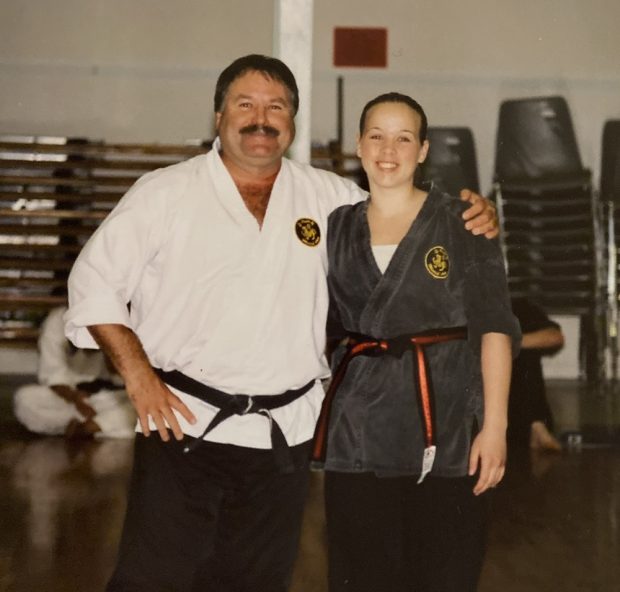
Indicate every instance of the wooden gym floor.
{"type": "Point", "coordinates": [555, 528]}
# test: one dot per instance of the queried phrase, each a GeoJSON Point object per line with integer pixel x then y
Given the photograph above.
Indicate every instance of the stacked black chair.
{"type": "Point", "coordinates": [451, 163]}
{"type": "Point", "coordinates": [610, 198]}
{"type": "Point", "coordinates": [545, 203]}
{"type": "Point", "coordinates": [610, 165]}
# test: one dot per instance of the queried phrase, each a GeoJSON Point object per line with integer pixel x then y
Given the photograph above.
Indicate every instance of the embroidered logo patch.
{"type": "Point", "coordinates": [308, 232]}
{"type": "Point", "coordinates": [437, 263]}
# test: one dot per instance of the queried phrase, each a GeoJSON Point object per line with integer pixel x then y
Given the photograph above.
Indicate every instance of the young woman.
{"type": "Point", "coordinates": [417, 424]}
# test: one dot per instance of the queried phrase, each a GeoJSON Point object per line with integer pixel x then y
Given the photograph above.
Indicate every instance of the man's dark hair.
{"type": "Point", "coordinates": [270, 67]}
{"type": "Point", "coordinates": [395, 97]}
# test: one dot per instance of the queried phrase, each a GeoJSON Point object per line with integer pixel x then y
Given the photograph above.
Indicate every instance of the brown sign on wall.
{"type": "Point", "coordinates": [360, 47]}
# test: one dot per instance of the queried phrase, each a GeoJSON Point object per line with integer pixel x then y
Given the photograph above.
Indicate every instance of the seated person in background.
{"type": "Point", "coordinates": [529, 417]}
{"type": "Point", "coordinates": [77, 395]}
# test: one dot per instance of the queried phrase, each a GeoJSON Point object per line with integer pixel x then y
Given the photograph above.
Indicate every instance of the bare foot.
{"type": "Point", "coordinates": [542, 439]}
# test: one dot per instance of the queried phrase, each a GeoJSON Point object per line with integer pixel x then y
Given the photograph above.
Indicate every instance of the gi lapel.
{"type": "Point", "coordinates": [379, 302]}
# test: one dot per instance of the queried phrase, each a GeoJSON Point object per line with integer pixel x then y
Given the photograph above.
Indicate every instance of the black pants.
{"type": "Point", "coordinates": [392, 535]}
{"type": "Point", "coordinates": [528, 398]}
{"type": "Point", "coordinates": [218, 519]}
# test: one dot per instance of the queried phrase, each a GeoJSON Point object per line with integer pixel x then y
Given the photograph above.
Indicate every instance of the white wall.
{"type": "Point", "coordinates": [565, 363]}
{"type": "Point", "coordinates": [122, 70]}
{"type": "Point", "coordinates": [144, 70]}
{"type": "Point", "coordinates": [461, 59]}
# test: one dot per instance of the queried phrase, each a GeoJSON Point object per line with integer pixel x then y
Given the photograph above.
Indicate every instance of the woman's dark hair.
{"type": "Point", "coordinates": [268, 66]}
{"type": "Point", "coordinates": [395, 97]}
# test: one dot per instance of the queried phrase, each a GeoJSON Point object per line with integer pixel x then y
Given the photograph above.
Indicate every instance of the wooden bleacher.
{"type": "Point", "coordinates": [53, 194]}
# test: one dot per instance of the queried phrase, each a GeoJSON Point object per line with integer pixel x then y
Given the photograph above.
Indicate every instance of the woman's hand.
{"type": "Point", "coordinates": [488, 453]}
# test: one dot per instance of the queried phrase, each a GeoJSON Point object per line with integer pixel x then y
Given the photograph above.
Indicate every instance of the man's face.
{"type": "Point", "coordinates": [256, 123]}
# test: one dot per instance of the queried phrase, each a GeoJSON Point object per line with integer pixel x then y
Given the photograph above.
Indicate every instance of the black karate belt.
{"type": "Point", "coordinates": [230, 405]}
{"type": "Point", "coordinates": [363, 345]}
{"type": "Point", "coordinates": [94, 386]}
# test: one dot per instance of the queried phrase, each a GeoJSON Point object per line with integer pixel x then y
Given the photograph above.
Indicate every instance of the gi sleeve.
{"type": "Point", "coordinates": [487, 299]}
{"type": "Point", "coordinates": [109, 267]}
{"type": "Point", "coordinates": [337, 191]}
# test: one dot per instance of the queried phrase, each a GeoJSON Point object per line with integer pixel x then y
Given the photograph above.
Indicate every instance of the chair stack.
{"type": "Point", "coordinates": [545, 202]}
{"type": "Point", "coordinates": [451, 163]}
{"type": "Point", "coordinates": [610, 198]}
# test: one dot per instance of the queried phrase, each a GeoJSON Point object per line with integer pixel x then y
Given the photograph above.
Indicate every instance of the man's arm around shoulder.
{"type": "Point", "coordinates": [481, 216]}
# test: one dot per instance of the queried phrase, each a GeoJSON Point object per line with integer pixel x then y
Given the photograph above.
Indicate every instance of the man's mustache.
{"type": "Point", "coordinates": [263, 129]}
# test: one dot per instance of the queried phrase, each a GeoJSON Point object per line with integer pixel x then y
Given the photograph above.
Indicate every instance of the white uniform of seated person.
{"type": "Point", "coordinates": [55, 406]}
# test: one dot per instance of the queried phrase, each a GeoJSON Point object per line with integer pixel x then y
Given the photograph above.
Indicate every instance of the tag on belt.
{"type": "Point", "coordinates": [427, 462]}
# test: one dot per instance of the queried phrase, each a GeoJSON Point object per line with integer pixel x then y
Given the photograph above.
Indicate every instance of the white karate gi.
{"type": "Point", "coordinates": [237, 307]}
{"type": "Point", "coordinates": [42, 411]}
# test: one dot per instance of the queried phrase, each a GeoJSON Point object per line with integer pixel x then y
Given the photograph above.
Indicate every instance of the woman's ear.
{"type": "Point", "coordinates": [423, 152]}
{"type": "Point", "coordinates": [358, 151]}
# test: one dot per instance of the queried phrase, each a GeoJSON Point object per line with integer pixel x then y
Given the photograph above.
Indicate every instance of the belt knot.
{"type": "Point", "coordinates": [241, 404]}
{"type": "Point", "coordinates": [397, 346]}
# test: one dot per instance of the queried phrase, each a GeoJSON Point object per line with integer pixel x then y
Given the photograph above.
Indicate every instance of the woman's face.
{"type": "Point", "coordinates": [390, 146]}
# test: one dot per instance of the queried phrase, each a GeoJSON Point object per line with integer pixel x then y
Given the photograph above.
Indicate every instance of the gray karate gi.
{"type": "Point", "coordinates": [440, 276]}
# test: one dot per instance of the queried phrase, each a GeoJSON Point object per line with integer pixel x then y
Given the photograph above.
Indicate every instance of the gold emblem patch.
{"type": "Point", "coordinates": [308, 232]}
{"type": "Point", "coordinates": [437, 263]}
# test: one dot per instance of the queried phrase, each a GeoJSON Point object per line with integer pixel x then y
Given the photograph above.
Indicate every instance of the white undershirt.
{"type": "Point", "coordinates": [383, 255]}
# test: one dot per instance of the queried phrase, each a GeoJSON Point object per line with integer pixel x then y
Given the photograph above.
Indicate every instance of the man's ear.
{"type": "Point", "coordinates": [423, 152]}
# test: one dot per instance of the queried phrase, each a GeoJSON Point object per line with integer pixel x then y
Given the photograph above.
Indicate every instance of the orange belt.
{"type": "Point", "coordinates": [371, 346]}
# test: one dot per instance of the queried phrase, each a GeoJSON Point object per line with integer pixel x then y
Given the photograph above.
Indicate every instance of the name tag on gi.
{"type": "Point", "coordinates": [427, 462]}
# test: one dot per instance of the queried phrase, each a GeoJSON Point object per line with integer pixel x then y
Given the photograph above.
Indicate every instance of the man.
{"type": "Point", "coordinates": [223, 260]}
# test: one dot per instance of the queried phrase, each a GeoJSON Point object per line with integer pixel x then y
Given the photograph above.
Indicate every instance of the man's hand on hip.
{"type": "Point", "coordinates": [148, 394]}
{"type": "Point", "coordinates": [153, 399]}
